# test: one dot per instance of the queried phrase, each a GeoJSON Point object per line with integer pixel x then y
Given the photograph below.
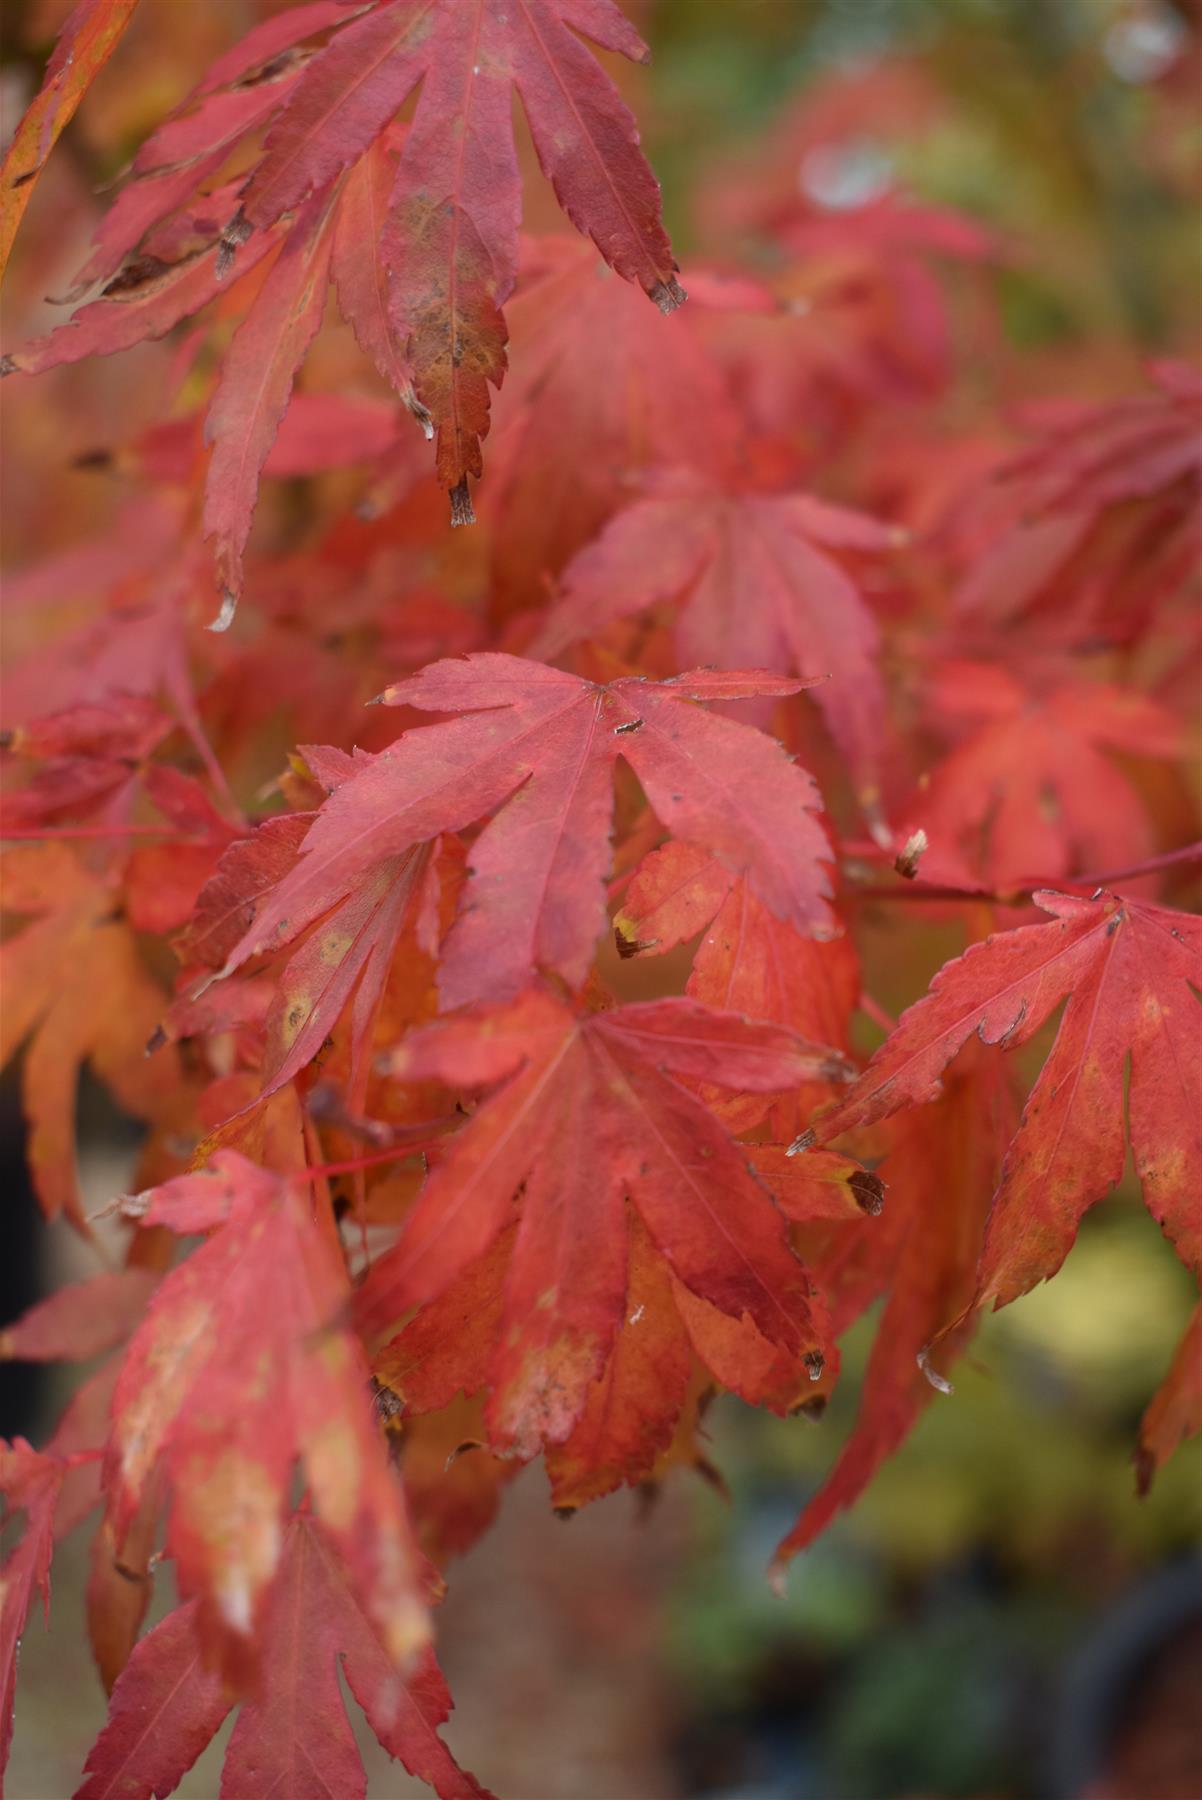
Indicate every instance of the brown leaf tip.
{"type": "Point", "coordinates": [461, 505]}
{"type": "Point", "coordinates": [387, 1403]}
{"type": "Point", "coordinates": [628, 946]}
{"type": "Point", "coordinates": [911, 854]}
{"type": "Point", "coordinates": [668, 295]}
{"type": "Point", "coordinates": [235, 234]}
{"type": "Point", "coordinates": [868, 1191]}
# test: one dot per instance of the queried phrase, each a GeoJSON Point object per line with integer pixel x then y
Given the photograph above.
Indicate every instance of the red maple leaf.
{"type": "Point", "coordinates": [450, 241]}
{"type": "Point", "coordinates": [82, 1319]}
{"type": "Point", "coordinates": [536, 748]}
{"type": "Point", "coordinates": [591, 1111]}
{"type": "Point", "coordinates": [347, 961]}
{"type": "Point", "coordinates": [292, 1734]}
{"type": "Point", "coordinates": [423, 250]}
{"type": "Point", "coordinates": [238, 1370]}
{"type": "Point", "coordinates": [1130, 973]}
{"type": "Point", "coordinates": [638, 1404]}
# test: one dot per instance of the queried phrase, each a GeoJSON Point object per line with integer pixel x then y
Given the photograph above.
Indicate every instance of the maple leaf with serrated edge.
{"type": "Point", "coordinates": [591, 1113]}
{"type": "Point", "coordinates": [292, 1735]}
{"type": "Point", "coordinates": [758, 588]}
{"type": "Point", "coordinates": [1129, 972]}
{"type": "Point", "coordinates": [238, 1369]}
{"type": "Point", "coordinates": [426, 255]}
{"type": "Point", "coordinates": [451, 236]}
{"type": "Point", "coordinates": [535, 748]}
{"type": "Point", "coordinates": [632, 1409]}
{"type": "Point", "coordinates": [346, 961]}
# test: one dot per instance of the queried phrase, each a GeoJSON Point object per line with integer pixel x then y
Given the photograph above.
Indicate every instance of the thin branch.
{"type": "Point", "coordinates": [1021, 892]}
{"type": "Point", "coordinates": [1189, 853]}
{"type": "Point", "coordinates": [397, 1153]}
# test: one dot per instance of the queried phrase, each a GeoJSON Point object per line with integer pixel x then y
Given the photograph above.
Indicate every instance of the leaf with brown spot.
{"type": "Point", "coordinates": [239, 1369]}
{"type": "Point", "coordinates": [589, 1111]}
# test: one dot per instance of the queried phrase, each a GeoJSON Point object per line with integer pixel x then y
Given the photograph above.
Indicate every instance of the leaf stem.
{"type": "Point", "coordinates": [1189, 853]}
{"type": "Point", "coordinates": [1021, 892]}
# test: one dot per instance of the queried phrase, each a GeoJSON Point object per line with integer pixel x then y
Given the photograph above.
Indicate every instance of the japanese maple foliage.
{"type": "Point", "coordinates": [765, 654]}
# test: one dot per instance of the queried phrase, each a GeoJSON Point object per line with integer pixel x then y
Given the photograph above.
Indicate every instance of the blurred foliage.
{"type": "Point", "coordinates": [1048, 127]}
{"type": "Point", "coordinates": [919, 1647]}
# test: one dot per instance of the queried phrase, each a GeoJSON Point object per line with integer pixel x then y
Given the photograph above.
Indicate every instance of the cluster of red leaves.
{"type": "Point", "coordinates": [456, 1183]}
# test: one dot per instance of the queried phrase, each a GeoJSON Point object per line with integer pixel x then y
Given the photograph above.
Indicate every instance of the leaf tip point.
{"type": "Point", "coordinates": [939, 1382]}
{"type": "Point", "coordinates": [462, 512]}
{"type": "Point", "coordinates": [225, 617]}
{"type": "Point", "coordinates": [667, 295]}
